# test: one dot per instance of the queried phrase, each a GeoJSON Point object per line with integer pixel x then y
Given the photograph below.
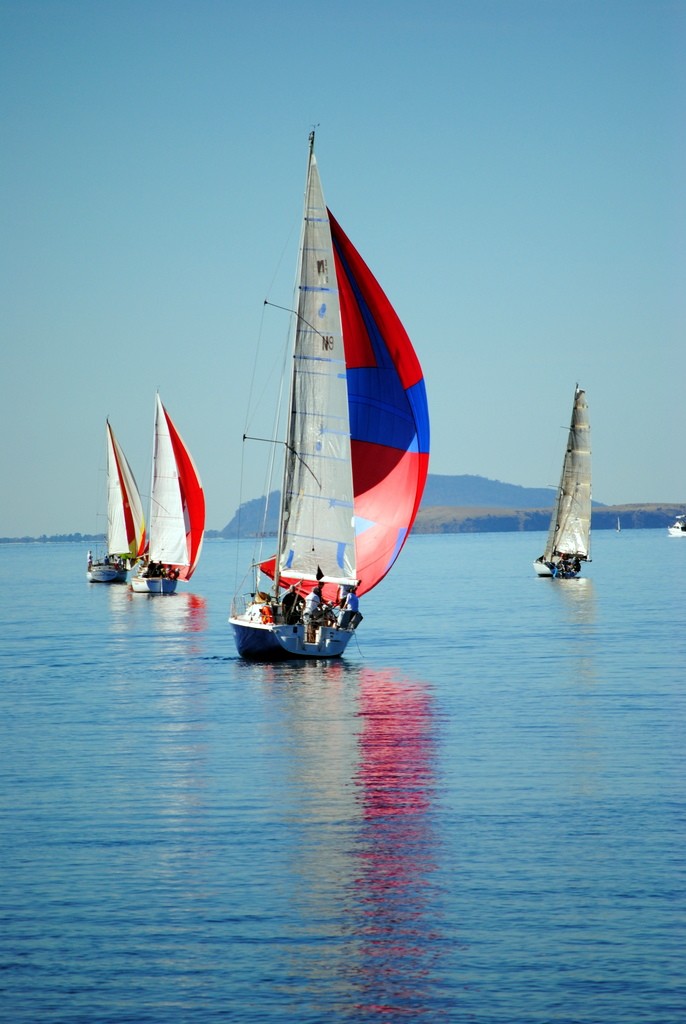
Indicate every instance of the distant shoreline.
{"type": "Point", "coordinates": [507, 520]}
{"type": "Point", "coordinates": [461, 519]}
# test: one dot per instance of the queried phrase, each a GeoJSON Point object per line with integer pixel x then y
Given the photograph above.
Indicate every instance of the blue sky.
{"type": "Point", "coordinates": [513, 173]}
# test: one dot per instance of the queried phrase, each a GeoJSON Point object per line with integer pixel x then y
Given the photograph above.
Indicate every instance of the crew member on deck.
{"type": "Point", "coordinates": [291, 605]}
{"type": "Point", "coordinates": [313, 603]}
{"type": "Point", "coordinates": [350, 609]}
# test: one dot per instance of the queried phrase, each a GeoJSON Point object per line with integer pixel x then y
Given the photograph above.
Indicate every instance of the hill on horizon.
{"type": "Point", "coordinates": [466, 491]}
{"type": "Point", "coordinates": [451, 504]}
{"type": "Point", "coordinates": [470, 491]}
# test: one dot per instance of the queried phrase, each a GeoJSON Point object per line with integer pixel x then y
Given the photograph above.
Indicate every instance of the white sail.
{"type": "Point", "coordinates": [570, 526]}
{"type": "Point", "coordinates": [316, 528]}
{"type": "Point", "coordinates": [125, 516]}
{"type": "Point", "coordinates": [167, 521]}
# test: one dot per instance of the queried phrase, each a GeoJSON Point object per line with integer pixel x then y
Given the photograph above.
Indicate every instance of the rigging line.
{"type": "Point", "coordinates": [253, 402]}
{"type": "Point", "coordinates": [295, 313]}
{"type": "Point", "coordinates": [251, 405]}
{"type": "Point", "coordinates": [255, 397]}
{"type": "Point", "coordinates": [291, 449]}
{"type": "Point", "coordinates": [159, 507]}
{"type": "Point", "coordinates": [234, 606]}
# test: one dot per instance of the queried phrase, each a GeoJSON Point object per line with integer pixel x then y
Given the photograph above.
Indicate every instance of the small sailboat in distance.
{"type": "Point", "coordinates": [356, 454]}
{"type": "Point", "coordinates": [177, 512]}
{"type": "Point", "coordinates": [125, 519]}
{"type": "Point", "coordinates": [569, 537]}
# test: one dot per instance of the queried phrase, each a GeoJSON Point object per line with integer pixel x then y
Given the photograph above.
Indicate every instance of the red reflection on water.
{"type": "Point", "coordinates": [397, 746]}
{"type": "Point", "coordinates": [179, 613]}
{"type": "Point", "coordinates": [396, 776]}
{"type": "Point", "coordinates": [197, 613]}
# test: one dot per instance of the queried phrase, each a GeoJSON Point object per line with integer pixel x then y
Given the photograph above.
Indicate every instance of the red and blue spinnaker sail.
{"type": "Point", "coordinates": [389, 419]}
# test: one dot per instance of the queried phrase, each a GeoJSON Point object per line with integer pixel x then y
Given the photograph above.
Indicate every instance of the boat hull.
{"type": "Point", "coordinates": [551, 571]}
{"type": "Point", "coordinates": [257, 641]}
{"type": "Point", "coordinates": [676, 531]}
{"type": "Point", "coordinates": [153, 585]}
{"type": "Point", "coordinates": [101, 573]}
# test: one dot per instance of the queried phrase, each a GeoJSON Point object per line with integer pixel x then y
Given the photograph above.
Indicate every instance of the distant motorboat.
{"type": "Point", "coordinates": [569, 537]}
{"type": "Point", "coordinates": [125, 519]}
{"type": "Point", "coordinates": [678, 527]}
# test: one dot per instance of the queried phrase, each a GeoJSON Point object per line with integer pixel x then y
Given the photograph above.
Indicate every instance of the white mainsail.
{"type": "Point", "coordinates": [570, 526]}
{"type": "Point", "coordinates": [168, 525]}
{"type": "Point", "coordinates": [125, 516]}
{"type": "Point", "coordinates": [317, 503]}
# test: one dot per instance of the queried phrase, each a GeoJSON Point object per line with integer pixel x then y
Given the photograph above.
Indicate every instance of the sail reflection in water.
{"type": "Point", "coordinates": [186, 613]}
{"type": "Point", "coordinates": [349, 758]}
{"type": "Point", "coordinates": [580, 689]}
{"type": "Point", "coordinates": [399, 916]}
{"type": "Point", "coordinates": [578, 598]}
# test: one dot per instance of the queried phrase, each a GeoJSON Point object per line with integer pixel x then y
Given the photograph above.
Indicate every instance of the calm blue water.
{"type": "Point", "coordinates": [478, 815]}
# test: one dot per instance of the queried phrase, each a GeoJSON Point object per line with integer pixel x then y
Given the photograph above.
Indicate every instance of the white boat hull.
{"type": "Point", "coordinates": [153, 585]}
{"type": "Point", "coordinates": [676, 531]}
{"type": "Point", "coordinates": [101, 573]}
{"type": "Point", "coordinates": [542, 568]}
{"type": "Point", "coordinates": [258, 641]}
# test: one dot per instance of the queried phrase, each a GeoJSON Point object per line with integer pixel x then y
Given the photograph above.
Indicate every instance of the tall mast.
{"type": "Point", "coordinates": [291, 395]}
{"type": "Point", "coordinates": [152, 470]}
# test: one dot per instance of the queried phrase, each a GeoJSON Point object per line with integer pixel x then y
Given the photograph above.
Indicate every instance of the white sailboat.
{"type": "Point", "coordinates": [356, 453]}
{"type": "Point", "coordinates": [177, 512]}
{"type": "Point", "coordinates": [125, 519]}
{"type": "Point", "coordinates": [569, 537]}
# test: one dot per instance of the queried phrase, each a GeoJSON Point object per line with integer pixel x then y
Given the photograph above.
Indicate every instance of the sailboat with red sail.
{"type": "Point", "coordinates": [177, 512]}
{"type": "Point", "coordinates": [356, 451]}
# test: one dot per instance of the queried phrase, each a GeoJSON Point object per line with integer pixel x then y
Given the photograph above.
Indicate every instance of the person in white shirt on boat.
{"type": "Point", "coordinates": [351, 608]}
{"type": "Point", "coordinates": [313, 603]}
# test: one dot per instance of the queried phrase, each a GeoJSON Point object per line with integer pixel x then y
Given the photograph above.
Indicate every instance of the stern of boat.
{"type": "Point", "coordinates": [153, 585]}
{"type": "Point", "coordinates": [101, 573]}
{"type": "Point", "coordinates": [259, 639]}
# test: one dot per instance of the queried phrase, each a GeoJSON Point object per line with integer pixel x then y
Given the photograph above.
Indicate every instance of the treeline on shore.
{"type": "Point", "coordinates": [504, 520]}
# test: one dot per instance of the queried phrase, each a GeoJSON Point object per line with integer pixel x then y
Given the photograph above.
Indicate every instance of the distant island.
{"type": "Point", "coordinates": [451, 504]}
{"type": "Point", "coordinates": [473, 504]}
